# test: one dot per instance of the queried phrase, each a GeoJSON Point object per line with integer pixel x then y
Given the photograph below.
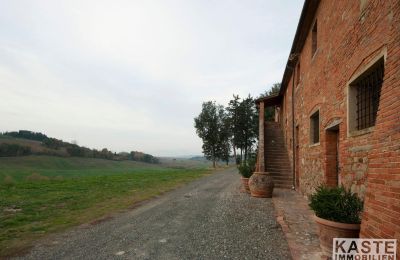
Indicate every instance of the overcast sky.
{"type": "Point", "coordinates": [132, 75]}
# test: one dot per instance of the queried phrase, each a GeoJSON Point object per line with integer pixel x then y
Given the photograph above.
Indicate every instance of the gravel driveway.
{"type": "Point", "coordinates": [206, 219]}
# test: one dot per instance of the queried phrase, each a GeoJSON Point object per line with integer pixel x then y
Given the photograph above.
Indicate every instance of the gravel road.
{"type": "Point", "coordinates": [206, 219]}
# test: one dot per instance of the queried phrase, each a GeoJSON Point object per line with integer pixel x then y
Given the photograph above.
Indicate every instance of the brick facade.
{"type": "Point", "coordinates": [351, 36]}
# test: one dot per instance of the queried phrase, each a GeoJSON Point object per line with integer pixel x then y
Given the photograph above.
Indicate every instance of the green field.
{"type": "Point", "coordinates": [44, 194]}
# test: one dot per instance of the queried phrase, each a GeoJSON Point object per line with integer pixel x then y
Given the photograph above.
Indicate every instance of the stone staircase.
{"type": "Point", "coordinates": [276, 157]}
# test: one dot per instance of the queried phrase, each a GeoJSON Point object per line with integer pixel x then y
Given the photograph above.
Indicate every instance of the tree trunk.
{"type": "Point", "coordinates": [245, 154]}
{"type": "Point", "coordinates": [234, 153]}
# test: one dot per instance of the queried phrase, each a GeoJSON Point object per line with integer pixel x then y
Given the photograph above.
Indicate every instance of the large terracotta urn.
{"type": "Point", "coordinates": [328, 230]}
{"type": "Point", "coordinates": [245, 183]}
{"type": "Point", "coordinates": [261, 185]}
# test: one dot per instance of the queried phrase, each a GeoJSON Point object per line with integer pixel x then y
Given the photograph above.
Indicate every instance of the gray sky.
{"type": "Point", "coordinates": [131, 75]}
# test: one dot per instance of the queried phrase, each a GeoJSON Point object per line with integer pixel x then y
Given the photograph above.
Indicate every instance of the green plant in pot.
{"type": "Point", "coordinates": [246, 170]}
{"type": "Point", "coordinates": [337, 213]}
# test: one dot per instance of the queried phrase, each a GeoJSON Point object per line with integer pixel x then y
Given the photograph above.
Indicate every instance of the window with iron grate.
{"type": "Point", "coordinates": [314, 39]}
{"type": "Point", "coordinates": [314, 128]}
{"type": "Point", "coordinates": [368, 90]}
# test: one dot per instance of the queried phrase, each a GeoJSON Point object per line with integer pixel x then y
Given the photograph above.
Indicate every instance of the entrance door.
{"type": "Point", "coordinates": [337, 158]}
{"type": "Point", "coordinates": [332, 170]}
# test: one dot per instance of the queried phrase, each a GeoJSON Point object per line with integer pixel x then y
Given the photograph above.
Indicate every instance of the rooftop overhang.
{"type": "Point", "coordinates": [306, 21]}
{"type": "Point", "coordinates": [274, 100]}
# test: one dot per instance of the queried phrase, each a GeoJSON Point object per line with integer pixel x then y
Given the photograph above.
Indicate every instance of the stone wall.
{"type": "Point", "coordinates": [351, 36]}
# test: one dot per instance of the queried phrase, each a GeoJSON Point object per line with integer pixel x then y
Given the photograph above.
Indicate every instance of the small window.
{"type": "Point", "coordinates": [314, 128]}
{"type": "Point", "coordinates": [368, 90]}
{"type": "Point", "coordinates": [314, 39]}
{"type": "Point", "coordinates": [298, 73]}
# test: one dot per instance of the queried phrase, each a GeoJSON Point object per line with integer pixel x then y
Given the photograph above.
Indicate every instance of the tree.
{"type": "Point", "coordinates": [225, 135]}
{"type": "Point", "coordinates": [246, 127]}
{"type": "Point", "coordinates": [274, 90]}
{"type": "Point", "coordinates": [243, 119]}
{"type": "Point", "coordinates": [210, 127]}
{"type": "Point", "coordinates": [233, 114]}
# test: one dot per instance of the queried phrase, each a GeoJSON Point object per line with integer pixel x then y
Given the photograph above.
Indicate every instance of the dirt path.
{"type": "Point", "coordinates": [206, 219]}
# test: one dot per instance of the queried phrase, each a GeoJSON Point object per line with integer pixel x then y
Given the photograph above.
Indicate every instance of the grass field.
{"type": "Point", "coordinates": [44, 194]}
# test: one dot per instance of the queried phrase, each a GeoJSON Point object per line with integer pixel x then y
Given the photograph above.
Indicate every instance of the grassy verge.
{"type": "Point", "coordinates": [41, 195]}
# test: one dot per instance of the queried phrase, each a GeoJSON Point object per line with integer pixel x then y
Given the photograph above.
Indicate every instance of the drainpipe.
{"type": "Point", "coordinates": [293, 143]}
{"type": "Point", "coordinates": [294, 58]}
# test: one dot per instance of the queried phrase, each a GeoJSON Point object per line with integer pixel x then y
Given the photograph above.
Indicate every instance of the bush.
{"type": "Point", "coordinates": [9, 181]}
{"type": "Point", "coordinates": [58, 178]}
{"type": "Point", "coordinates": [245, 170]}
{"type": "Point", "coordinates": [36, 177]}
{"type": "Point", "coordinates": [7, 150]}
{"type": "Point", "coordinates": [336, 204]}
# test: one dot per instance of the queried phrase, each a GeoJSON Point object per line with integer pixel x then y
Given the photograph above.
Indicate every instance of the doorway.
{"type": "Point", "coordinates": [297, 160]}
{"type": "Point", "coordinates": [332, 169]}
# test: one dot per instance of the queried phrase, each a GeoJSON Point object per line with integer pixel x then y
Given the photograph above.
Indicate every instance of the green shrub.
{"type": "Point", "coordinates": [9, 181]}
{"type": "Point", "coordinates": [247, 168]}
{"type": "Point", "coordinates": [7, 150]}
{"type": "Point", "coordinates": [36, 177]}
{"type": "Point", "coordinates": [336, 204]}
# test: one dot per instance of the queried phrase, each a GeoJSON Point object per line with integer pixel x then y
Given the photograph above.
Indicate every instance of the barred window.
{"type": "Point", "coordinates": [368, 91]}
{"type": "Point", "coordinates": [298, 73]}
{"type": "Point", "coordinates": [314, 39]}
{"type": "Point", "coordinates": [314, 128]}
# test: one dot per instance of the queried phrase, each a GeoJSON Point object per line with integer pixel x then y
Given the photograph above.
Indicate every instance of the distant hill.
{"type": "Point", "coordinates": [198, 158]}
{"type": "Point", "coordinates": [25, 142]}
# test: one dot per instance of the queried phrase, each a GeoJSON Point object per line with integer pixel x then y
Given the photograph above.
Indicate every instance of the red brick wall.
{"type": "Point", "coordinates": [349, 38]}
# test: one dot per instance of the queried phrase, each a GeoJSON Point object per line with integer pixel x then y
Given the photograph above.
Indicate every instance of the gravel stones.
{"type": "Point", "coordinates": [207, 219]}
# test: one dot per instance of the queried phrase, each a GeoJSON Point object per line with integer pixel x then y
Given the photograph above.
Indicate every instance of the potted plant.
{"type": "Point", "coordinates": [337, 213]}
{"type": "Point", "coordinates": [246, 169]}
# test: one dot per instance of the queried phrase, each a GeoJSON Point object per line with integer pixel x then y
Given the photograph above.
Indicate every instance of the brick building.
{"type": "Point", "coordinates": [338, 110]}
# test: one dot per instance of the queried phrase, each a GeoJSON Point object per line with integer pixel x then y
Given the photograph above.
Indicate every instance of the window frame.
{"type": "Point", "coordinates": [314, 39]}
{"type": "Point", "coordinates": [313, 124]}
{"type": "Point", "coordinates": [351, 94]}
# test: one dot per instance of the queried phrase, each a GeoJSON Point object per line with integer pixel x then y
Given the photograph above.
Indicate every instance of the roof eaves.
{"type": "Point", "coordinates": [303, 27]}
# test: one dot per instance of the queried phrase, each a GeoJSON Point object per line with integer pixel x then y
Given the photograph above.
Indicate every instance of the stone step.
{"type": "Point", "coordinates": [279, 172]}
{"type": "Point", "coordinates": [277, 164]}
{"type": "Point", "coordinates": [287, 174]}
{"type": "Point", "coordinates": [275, 152]}
{"type": "Point", "coordinates": [283, 186]}
{"type": "Point", "coordinates": [282, 178]}
{"type": "Point", "coordinates": [283, 160]}
{"type": "Point", "coordinates": [283, 183]}
{"type": "Point", "coordinates": [276, 156]}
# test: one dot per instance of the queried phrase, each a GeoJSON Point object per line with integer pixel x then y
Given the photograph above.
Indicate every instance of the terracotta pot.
{"type": "Point", "coordinates": [330, 229]}
{"type": "Point", "coordinates": [245, 183]}
{"type": "Point", "coordinates": [261, 185]}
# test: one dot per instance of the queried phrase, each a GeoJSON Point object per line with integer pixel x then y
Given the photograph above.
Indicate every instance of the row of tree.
{"type": "Point", "coordinates": [224, 129]}
{"type": "Point", "coordinates": [25, 134]}
{"type": "Point", "coordinates": [7, 150]}
{"type": "Point", "coordinates": [232, 128]}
